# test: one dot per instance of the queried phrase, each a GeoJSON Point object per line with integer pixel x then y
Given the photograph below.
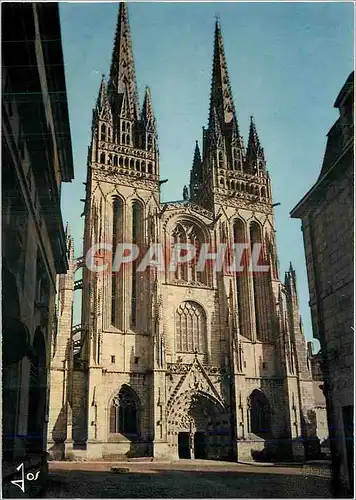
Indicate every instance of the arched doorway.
{"type": "Point", "coordinates": [199, 427]}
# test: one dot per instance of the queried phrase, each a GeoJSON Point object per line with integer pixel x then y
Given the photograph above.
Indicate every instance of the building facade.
{"type": "Point", "coordinates": [327, 213]}
{"type": "Point", "coordinates": [36, 159]}
{"type": "Point", "coordinates": [185, 362]}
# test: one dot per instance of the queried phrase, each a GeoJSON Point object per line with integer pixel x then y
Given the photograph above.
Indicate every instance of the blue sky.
{"type": "Point", "coordinates": [286, 62]}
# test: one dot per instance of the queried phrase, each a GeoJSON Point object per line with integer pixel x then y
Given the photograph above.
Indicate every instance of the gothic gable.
{"type": "Point", "coordinates": [194, 379]}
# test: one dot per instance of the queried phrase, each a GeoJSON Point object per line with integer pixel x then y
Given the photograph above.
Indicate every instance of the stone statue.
{"type": "Point", "coordinates": [185, 193]}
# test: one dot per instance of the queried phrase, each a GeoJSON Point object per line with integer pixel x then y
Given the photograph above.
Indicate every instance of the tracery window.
{"type": "Point", "coordinates": [259, 414]}
{"type": "Point", "coordinates": [242, 285]}
{"type": "Point", "coordinates": [137, 235]}
{"type": "Point", "coordinates": [191, 328]}
{"type": "Point", "coordinates": [258, 286]}
{"type": "Point", "coordinates": [186, 233]}
{"type": "Point", "coordinates": [124, 414]}
{"type": "Point", "coordinates": [179, 237]}
{"type": "Point", "coordinates": [117, 277]}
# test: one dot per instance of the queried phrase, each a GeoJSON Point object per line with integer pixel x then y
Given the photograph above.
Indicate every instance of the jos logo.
{"type": "Point", "coordinates": [30, 477]}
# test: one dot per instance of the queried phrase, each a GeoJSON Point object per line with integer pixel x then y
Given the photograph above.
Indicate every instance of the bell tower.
{"type": "Point", "coordinates": [121, 204]}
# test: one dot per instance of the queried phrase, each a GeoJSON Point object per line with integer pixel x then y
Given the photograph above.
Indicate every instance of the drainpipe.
{"type": "Point", "coordinates": [335, 460]}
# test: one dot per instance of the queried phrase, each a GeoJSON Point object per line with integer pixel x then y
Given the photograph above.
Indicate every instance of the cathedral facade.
{"type": "Point", "coordinates": [183, 362]}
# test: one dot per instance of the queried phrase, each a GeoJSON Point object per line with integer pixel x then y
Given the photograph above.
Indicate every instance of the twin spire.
{"type": "Point", "coordinates": [120, 98]}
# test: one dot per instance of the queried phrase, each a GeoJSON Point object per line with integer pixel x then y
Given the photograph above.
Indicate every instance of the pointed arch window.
{"type": "Point", "coordinates": [259, 414]}
{"type": "Point", "coordinates": [180, 237]}
{"type": "Point", "coordinates": [191, 335]}
{"type": "Point", "coordinates": [149, 142]}
{"type": "Point", "coordinates": [103, 132]}
{"type": "Point", "coordinates": [260, 289]}
{"type": "Point", "coordinates": [137, 237]}
{"type": "Point", "coordinates": [221, 160]}
{"type": "Point", "coordinates": [186, 233]}
{"type": "Point", "coordinates": [102, 158]}
{"type": "Point", "coordinates": [117, 277]}
{"type": "Point", "coordinates": [242, 286]}
{"type": "Point", "coordinates": [124, 413]}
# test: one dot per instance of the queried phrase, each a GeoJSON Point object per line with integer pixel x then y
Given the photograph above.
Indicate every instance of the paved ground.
{"type": "Point", "coordinates": [187, 479]}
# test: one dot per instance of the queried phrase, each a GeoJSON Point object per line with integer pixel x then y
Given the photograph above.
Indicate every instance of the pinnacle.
{"type": "Point", "coordinates": [147, 108]}
{"type": "Point", "coordinates": [197, 156]}
{"type": "Point", "coordinates": [253, 132]}
{"type": "Point", "coordinates": [102, 97]}
{"type": "Point", "coordinates": [254, 149]}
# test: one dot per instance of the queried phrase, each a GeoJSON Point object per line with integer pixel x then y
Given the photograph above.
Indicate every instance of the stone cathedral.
{"type": "Point", "coordinates": [186, 363]}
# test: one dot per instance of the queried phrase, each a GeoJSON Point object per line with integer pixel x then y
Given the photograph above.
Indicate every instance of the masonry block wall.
{"type": "Point", "coordinates": [327, 213]}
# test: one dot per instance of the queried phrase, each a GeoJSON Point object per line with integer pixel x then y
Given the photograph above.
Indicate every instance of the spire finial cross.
{"type": "Point", "coordinates": [217, 17]}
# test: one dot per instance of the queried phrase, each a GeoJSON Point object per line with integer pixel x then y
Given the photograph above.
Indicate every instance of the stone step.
{"type": "Point", "coordinates": [140, 459]}
{"type": "Point", "coordinates": [119, 470]}
{"type": "Point", "coordinates": [124, 458]}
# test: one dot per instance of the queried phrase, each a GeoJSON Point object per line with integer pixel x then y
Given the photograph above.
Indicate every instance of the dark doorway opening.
{"type": "Point", "coordinates": [183, 445]}
{"type": "Point", "coordinates": [199, 445]}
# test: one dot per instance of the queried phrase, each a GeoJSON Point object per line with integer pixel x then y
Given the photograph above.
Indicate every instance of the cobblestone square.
{"type": "Point", "coordinates": [187, 479]}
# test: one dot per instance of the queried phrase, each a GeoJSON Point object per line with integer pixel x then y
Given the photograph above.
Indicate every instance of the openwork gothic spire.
{"type": "Point", "coordinates": [221, 99]}
{"type": "Point", "coordinates": [122, 72]}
